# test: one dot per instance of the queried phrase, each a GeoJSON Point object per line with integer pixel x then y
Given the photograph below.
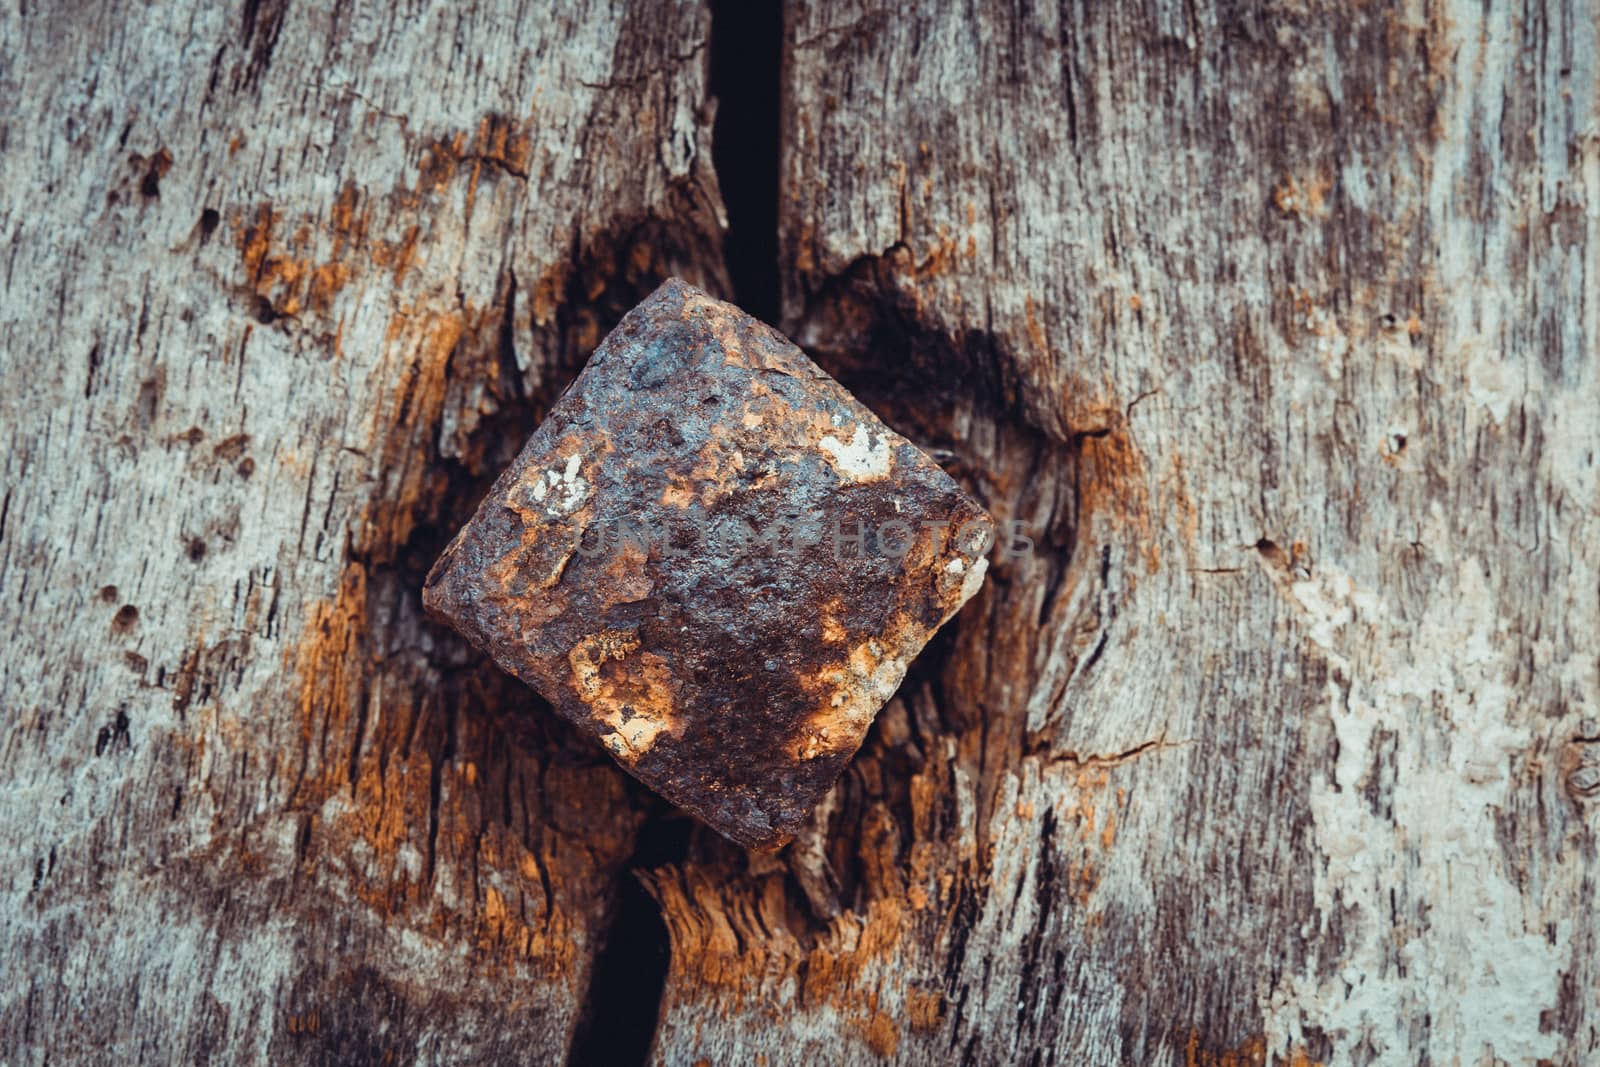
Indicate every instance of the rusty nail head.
{"type": "Point", "coordinates": [716, 560]}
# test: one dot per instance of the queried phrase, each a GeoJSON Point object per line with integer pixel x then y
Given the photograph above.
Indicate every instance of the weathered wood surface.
{"type": "Point", "coordinates": [282, 289]}
{"type": "Point", "coordinates": [1278, 328]}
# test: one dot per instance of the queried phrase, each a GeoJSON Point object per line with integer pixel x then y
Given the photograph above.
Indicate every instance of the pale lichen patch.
{"type": "Point", "coordinates": [868, 457]}
{"type": "Point", "coordinates": [971, 583]}
{"type": "Point", "coordinates": [554, 492]}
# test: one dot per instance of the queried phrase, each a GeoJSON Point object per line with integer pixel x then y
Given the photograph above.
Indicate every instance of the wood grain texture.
{"type": "Point", "coordinates": [1278, 324]}
{"type": "Point", "coordinates": [1275, 326]}
{"type": "Point", "coordinates": [283, 287]}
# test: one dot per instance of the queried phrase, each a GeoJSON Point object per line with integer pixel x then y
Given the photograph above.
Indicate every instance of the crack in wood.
{"type": "Point", "coordinates": [1079, 761]}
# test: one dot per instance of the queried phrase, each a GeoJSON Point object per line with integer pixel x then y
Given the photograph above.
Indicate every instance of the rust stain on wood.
{"type": "Point", "coordinates": [367, 788]}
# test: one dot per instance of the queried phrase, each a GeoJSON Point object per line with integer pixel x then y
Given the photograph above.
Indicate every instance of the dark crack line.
{"type": "Point", "coordinates": [621, 1009]}
{"type": "Point", "coordinates": [746, 65]}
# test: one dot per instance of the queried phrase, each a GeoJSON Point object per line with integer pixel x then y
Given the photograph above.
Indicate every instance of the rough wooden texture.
{"type": "Point", "coordinates": [1280, 324]}
{"type": "Point", "coordinates": [1277, 325]}
{"type": "Point", "coordinates": [283, 289]}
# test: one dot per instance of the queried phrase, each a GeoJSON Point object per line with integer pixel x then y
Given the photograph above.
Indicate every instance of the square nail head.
{"type": "Point", "coordinates": [716, 560]}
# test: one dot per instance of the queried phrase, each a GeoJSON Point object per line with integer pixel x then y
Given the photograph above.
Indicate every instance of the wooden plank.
{"type": "Point", "coordinates": [1278, 328]}
{"type": "Point", "coordinates": [283, 288]}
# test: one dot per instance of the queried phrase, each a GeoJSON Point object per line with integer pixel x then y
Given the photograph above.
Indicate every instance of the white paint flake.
{"type": "Point", "coordinates": [561, 490]}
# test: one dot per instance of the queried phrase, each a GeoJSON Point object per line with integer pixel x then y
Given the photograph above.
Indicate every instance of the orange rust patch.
{"type": "Point", "coordinates": [499, 141]}
{"type": "Point", "coordinates": [1253, 1053]}
{"type": "Point", "coordinates": [398, 256]}
{"type": "Point", "coordinates": [637, 704]}
{"type": "Point", "coordinates": [733, 941]}
{"type": "Point", "coordinates": [941, 258]}
{"type": "Point", "coordinates": [307, 268]}
{"type": "Point", "coordinates": [834, 973]}
{"type": "Point", "coordinates": [1304, 199]}
{"type": "Point", "coordinates": [677, 495]}
{"type": "Point", "coordinates": [437, 164]}
{"type": "Point", "coordinates": [1112, 485]}
{"type": "Point", "coordinates": [330, 672]}
{"type": "Point", "coordinates": [364, 777]}
{"type": "Point", "coordinates": [326, 281]}
{"type": "Point", "coordinates": [285, 272]}
{"type": "Point", "coordinates": [305, 1022]}
{"type": "Point", "coordinates": [1177, 498]}
{"type": "Point", "coordinates": [546, 294]}
{"type": "Point", "coordinates": [155, 169]}
{"type": "Point", "coordinates": [833, 631]}
{"type": "Point", "coordinates": [402, 431]}
{"type": "Point", "coordinates": [370, 806]}
{"type": "Point", "coordinates": [883, 1037]}
{"type": "Point", "coordinates": [349, 224]}
{"type": "Point", "coordinates": [1035, 331]}
{"type": "Point", "coordinates": [805, 255]}
{"type": "Point", "coordinates": [504, 142]}
{"type": "Point", "coordinates": [1096, 828]}
{"type": "Point", "coordinates": [925, 1008]}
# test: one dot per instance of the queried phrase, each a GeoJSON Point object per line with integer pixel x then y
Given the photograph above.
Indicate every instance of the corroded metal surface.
{"type": "Point", "coordinates": [715, 559]}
